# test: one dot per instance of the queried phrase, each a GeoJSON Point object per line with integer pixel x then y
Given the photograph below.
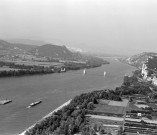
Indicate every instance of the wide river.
{"type": "Point", "coordinates": [53, 90]}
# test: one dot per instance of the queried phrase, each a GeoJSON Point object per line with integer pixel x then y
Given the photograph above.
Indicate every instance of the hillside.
{"type": "Point", "coordinates": [149, 69]}
{"type": "Point", "coordinates": [151, 63]}
{"type": "Point", "coordinates": [147, 63]}
{"type": "Point", "coordinates": [139, 59]}
{"type": "Point", "coordinates": [54, 51]}
{"type": "Point", "coordinates": [25, 41]}
{"type": "Point", "coordinates": [4, 45]}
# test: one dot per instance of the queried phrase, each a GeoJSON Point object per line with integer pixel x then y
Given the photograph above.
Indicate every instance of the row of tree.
{"type": "Point", "coordinates": [33, 69]}
{"type": "Point", "coordinates": [23, 72]}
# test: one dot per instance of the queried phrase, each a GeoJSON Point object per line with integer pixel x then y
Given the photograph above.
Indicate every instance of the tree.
{"type": "Point", "coordinates": [78, 120]}
{"type": "Point", "coordinates": [92, 132]}
{"type": "Point", "coordinates": [120, 131]}
{"type": "Point", "coordinates": [95, 127]}
{"type": "Point", "coordinates": [90, 105]}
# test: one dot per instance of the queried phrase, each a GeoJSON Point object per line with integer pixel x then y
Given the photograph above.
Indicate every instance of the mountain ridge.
{"type": "Point", "coordinates": [54, 51]}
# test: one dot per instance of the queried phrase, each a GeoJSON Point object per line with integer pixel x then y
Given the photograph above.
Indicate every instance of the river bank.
{"type": "Point", "coordinates": [48, 115]}
{"type": "Point", "coordinates": [18, 70]}
{"type": "Point", "coordinates": [54, 90]}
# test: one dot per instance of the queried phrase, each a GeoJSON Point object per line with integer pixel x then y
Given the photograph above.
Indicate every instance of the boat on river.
{"type": "Point", "coordinates": [104, 73]}
{"type": "Point", "coordinates": [34, 104]}
{"type": "Point", "coordinates": [3, 102]}
{"type": "Point", "coordinates": [84, 71]}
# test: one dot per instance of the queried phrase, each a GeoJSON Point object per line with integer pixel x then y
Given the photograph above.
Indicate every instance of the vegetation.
{"type": "Point", "coordinates": [92, 62]}
{"type": "Point", "coordinates": [70, 119]}
{"type": "Point", "coordinates": [23, 72]}
{"type": "Point", "coordinates": [33, 69]}
{"type": "Point", "coordinates": [131, 86]}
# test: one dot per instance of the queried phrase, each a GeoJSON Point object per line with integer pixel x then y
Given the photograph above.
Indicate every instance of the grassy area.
{"type": "Point", "coordinates": [6, 69]}
{"type": "Point", "coordinates": [133, 107]}
{"type": "Point", "coordinates": [108, 114]}
{"type": "Point", "coordinates": [109, 109]}
{"type": "Point", "coordinates": [93, 121]}
{"type": "Point", "coordinates": [36, 63]}
{"type": "Point", "coordinates": [105, 117]}
{"type": "Point", "coordinates": [119, 103]}
{"type": "Point", "coordinates": [122, 103]}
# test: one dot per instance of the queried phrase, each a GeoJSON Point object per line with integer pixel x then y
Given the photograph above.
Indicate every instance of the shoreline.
{"type": "Point", "coordinates": [34, 72]}
{"type": "Point", "coordinates": [48, 115]}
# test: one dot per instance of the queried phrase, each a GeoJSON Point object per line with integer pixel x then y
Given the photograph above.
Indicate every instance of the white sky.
{"type": "Point", "coordinates": [109, 26]}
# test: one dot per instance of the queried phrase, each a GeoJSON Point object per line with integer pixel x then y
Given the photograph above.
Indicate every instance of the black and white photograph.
{"type": "Point", "coordinates": [78, 67]}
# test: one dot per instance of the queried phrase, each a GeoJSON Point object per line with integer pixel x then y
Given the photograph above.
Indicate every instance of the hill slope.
{"type": "Point", "coordinates": [147, 63]}
{"type": "Point", "coordinates": [25, 41]}
{"type": "Point", "coordinates": [4, 45]}
{"type": "Point", "coordinates": [139, 59]}
{"type": "Point", "coordinates": [149, 69]}
{"type": "Point", "coordinates": [54, 51]}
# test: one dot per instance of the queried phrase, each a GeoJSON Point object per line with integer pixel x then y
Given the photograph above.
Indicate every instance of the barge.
{"type": "Point", "coordinates": [34, 104]}
{"type": "Point", "coordinates": [3, 102]}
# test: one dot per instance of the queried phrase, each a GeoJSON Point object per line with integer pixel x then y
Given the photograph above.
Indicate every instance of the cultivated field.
{"type": "Point", "coordinates": [122, 103]}
{"type": "Point", "coordinates": [36, 63]}
{"type": "Point", "coordinates": [109, 109]}
{"type": "Point", "coordinates": [113, 107]}
{"type": "Point", "coordinates": [106, 117]}
{"type": "Point", "coordinates": [108, 114]}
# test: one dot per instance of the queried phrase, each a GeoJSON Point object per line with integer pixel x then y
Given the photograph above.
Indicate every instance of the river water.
{"type": "Point", "coordinates": [53, 90]}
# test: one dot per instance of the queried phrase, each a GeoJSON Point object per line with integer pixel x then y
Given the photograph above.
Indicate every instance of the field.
{"type": "Point", "coordinates": [104, 122]}
{"type": "Point", "coordinates": [113, 107]}
{"type": "Point", "coordinates": [108, 114]}
{"type": "Point", "coordinates": [105, 117]}
{"type": "Point", "coordinates": [132, 106]}
{"type": "Point", "coordinates": [6, 69]}
{"type": "Point", "coordinates": [109, 109]}
{"type": "Point", "coordinates": [36, 63]}
{"type": "Point", "coordinates": [45, 64]}
{"type": "Point", "coordinates": [141, 106]}
{"type": "Point", "coordinates": [122, 103]}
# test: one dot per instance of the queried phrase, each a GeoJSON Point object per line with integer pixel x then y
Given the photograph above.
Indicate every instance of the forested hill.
{"type": "Point", "coordinates": [54, 51]}
{"type": "Point", "coordinates": [50, 50]}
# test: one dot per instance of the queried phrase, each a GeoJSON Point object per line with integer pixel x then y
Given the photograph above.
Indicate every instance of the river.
{"type": "Point", "coordinates": [53, 90]}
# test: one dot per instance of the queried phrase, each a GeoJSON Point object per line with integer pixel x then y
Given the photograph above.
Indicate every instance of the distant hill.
{"type": "Point", "coordinates": [147, 63]}
{"type": "Point", "coordinates": [26, 41]}
{"type": "Point", "coordinates": [54, 51]}
{"type": "Point", "coordinates": [139, 59]}
{"type": "Point", "coordinates": [4, 45]}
